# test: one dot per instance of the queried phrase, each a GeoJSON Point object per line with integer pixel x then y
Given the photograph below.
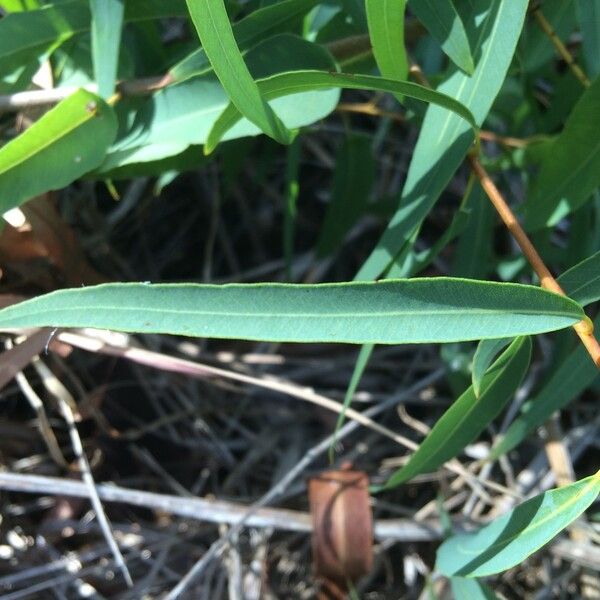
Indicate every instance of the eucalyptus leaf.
{"type": "Point", "coordinates": [589, 21]}
{"type": "Point", "coordinates": [573, 375]}
{"type": "Point", "coordinates": [64, 144]}
{"type": "Point", "coordinates": [30, 34]}
{"type": "Point", "coordinates": [570, 172]}
{"type": "Point", "coordinates": [511, 538]}
{"type": "Point", "coordinates": [471, 589]}
{"type": "Point", "coordinates": [469, 415]}
{"type": "Point", "coordinates": [294, 82]}
{"type": "Point", "coordinates": [386, 30]}
{"type": "Point", "coordinates": [445, 25]}
{"type": "Point", "coordinates": [352, 181]}
{"type": "Point", "coordinates": [389, 312]}
{"type": "Point", "coordinates": [445, 138]}
{"type": "Point", "coordinates": [107, 22]}
{"type": "Point", "coordinates": [216, 36]}
{"type": "Point", "coordinates": [249, 31]}
{"type": "Point", "coordinates": [582, 282]}
{"type": "Point", "coordinates": [486, 351]}
{"type": "Point", "coordinates": [183, 114]}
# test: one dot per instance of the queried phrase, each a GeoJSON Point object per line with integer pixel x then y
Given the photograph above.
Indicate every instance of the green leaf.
{"type": "Point", "coordinates": [67, 142]}
{"type": "Point", "coordinates": [575, 374]}
{"type": "Point", "coordinates": [511, 538]}
{"type": "Point", "coordinates": [248, 31]}
{"type": "Point", "coordinates": [107, 22]}
{"type": "Point", "coordinates": [386, 30]}
{"type": "Point", "coordinates": [537, 48]}
{"type": "Point", "coordinates": [352, 182]}
{"type": "Point", "coordinates": [486, 351]}
{"type": "Point", "coordinates": [191, 159]}
{"type": "Point", "coordinates": [445, 25]}
{"type": "Point", "coordinates": [294, 82]}
{"type": "Point", "coordinates": [28, 35]}
{"type": "Point", "coordinates": [389, 312]}
{"type": "Point", "coordinates": [184, 113]}
{"type": "Point", "coordinates": [471, 589]}
{"type": "Point", "coordinates": [570, 171]}
{"type": "Point", "coordinates": [582, 282]}
{"type": "Point", "coordinates": [445, 138]}
{"type": "Point", "coordinates": [589, 21]}
{"type": "Point", "coordinates": [216, 36]}
{"type": "Point", "coordinates": [468, 416]}
{"type": "Point", "coordinates": [474, 248]}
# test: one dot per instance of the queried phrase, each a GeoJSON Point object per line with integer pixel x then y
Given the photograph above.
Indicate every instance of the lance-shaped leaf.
{"type": "Point", "coordinates": [30, 34]}
{"type": "Point", "coordinates": [511, 538]}
{"type": "Point", "coordinates": [67, 142]}
{"type": "Point", "coordinates": [582, 282]}
{"type": "Point", "coordinates": [216, 36]}
{"type": "Point", "coordinates": [248, 31]}
{"type": "Point", "coordinates": [445, 138]}
{"type": "Point", "coordinates": [184, 113]}
{"type": "Point", "coordinates": [390, 312]}
{"type": "Point", "coordinates": [445, 25]}
{"type": "Point", "coordinates": [471, 589]}
{"type": "Point", "coordinates": [295, 82]}
{"type": "Point", "coordinates": [352, 181]}
{"type": "Point", "coordinates": [486, 351]}
{"type": "Point", "coordinates": [107, 22]}
{"type": "Point", "coordinates": [386, 30]}
{"type": "Point", "coordinates": [468, 416]}
{"type": "Point", "coordinates": [567, 381]}
{"type": "Point", "coordinates": [570, 171]}
{"type": "Point", "coordinates": [589, 21]}
{"type": "Point", "coordinates": [573, 375]}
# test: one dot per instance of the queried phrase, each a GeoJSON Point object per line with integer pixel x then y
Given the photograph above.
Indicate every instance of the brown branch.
{"type": "Point", "coordinates": [561, 49]}
{"type": "Point", "coordinates": [21, 100]}
{"type": "Point", "coordinates": [584, 329]}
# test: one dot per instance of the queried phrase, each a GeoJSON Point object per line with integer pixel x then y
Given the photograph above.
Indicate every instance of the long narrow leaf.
{"type": "Point", "coordinates": [216, 36]}
{"type": "Point", "coordinates": [445, 25]}
{"type": "Point", "coordinates": [67, 142]}
{"type": "Point", "coordinates": [510, 539]}
{"type": "Point", "coordinates": [485, 354]}
{"type": "Point", "coordinates": [582, 282]}
{"type": "Point", "coordinates": [445, 138]}
{"type": "Point", "coordinates": [248, 31]}
{"type": "Point", "coordinates": [386, 30]}
{"type": "Point", "coordinates": [471, 589]}
{"type": "Point", "coordinates": [567, 381]}
{"type": "Point", "coordinates": [29, 34]}
{"type": "Point", "coordinates": [589, 19]}
{"type": "Point", "coordinates": [570, 172]}
{"type": "Point", "coordinates": [107, 22]}
{"type": "Point", "coordinates": [468, 416]}
{"type": "Point", "coordinates": [295, 82]}
{"type": "Point", "coordinates": [389, 312]}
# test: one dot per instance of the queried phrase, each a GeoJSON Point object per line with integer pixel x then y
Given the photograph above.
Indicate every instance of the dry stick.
{"type": "Point", "coordinates": [370, 109]}
{"type": "Point", "coordinates": [584, 329]}
{"type": "Point", "coordinates": [212, 511]}
{"type": "Point", "coordinates": [220, 545]}
{"type": "Point", "coordinates": [562, 50]}
{"type": "Point", "coordinates": [203, 371]}
{"type": "Point", "coordinates": [67, 407]}
{"type": "Point", "coordinates": [29, 99]}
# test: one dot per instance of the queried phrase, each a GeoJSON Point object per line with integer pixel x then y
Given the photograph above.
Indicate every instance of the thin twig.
{"type": "Point", "coordinates": [561, 49]}
{"type": "Point", "coordinates": [212, 511]}
{"type": "Point", "coordinates": [218, 547]}
{"type": "Point", "coordinates": [67, 407]}
{"type": "Point", "coordinates": [203, 371]}
{"type": "Point", "coordinates": [29, 99]}
{"type": "Point", "coordinates": [584, 329]}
